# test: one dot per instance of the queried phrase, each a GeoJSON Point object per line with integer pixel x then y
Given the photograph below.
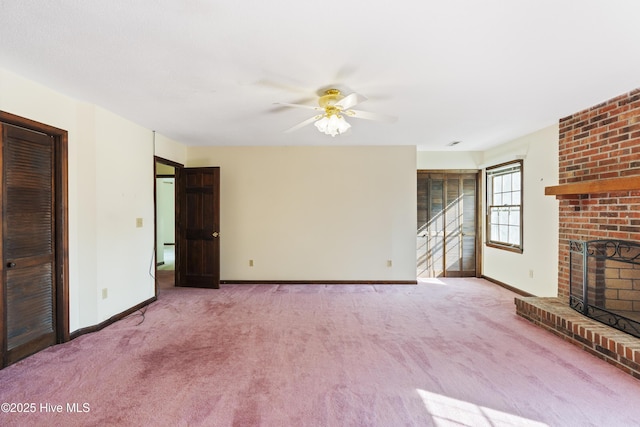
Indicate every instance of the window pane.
{"type": "Point", "coordinates": [506, 199]}
{"type": "Point", "coordinates": [497, 184]}
{"type": "Point", "coordinates": [506, 185]}
{"type": "Point", "coordinates": [515, 198]}
{"type": "Point", "coordinates": [504, 234]}
{"type": "Point", "coordinates": [514, 217]}
{"type": "Point", "coordinates": [514, 235]}
{"type": "Point", "coordinates": [503, 217]}
{"type": "Point", "coordinates": [516, 180]}
{"type": "Point", "coordinates": [497, 199]}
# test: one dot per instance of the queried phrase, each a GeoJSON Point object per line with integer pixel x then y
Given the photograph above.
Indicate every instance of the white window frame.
{"type": "Point", "coordinates": [504, 186]}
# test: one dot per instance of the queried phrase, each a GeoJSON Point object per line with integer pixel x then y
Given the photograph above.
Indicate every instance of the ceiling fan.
{"type": "Point", "coordinates": [332, 108]}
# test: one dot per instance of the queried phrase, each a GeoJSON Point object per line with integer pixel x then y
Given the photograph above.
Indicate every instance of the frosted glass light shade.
{"type": "Point", "coordinates": [332, 125]}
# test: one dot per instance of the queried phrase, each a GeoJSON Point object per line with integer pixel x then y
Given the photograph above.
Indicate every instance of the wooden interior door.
{"type": "Point", "coordinates": [200, 227]}
{"type": "Point", "coordinates": [28, 242]}
{"type": "Point", "coordinates": [447, 224]}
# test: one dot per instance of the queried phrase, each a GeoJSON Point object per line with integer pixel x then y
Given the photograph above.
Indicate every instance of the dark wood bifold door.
{"type": "Point", "coordinates": [28, 242]}
{"type": "Point", "coordinates": [199, 196]}
{"type": "Point", "coordinates": [447, 224]}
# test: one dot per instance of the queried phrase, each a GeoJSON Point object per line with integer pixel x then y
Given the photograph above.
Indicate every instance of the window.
{"type": "Point", "coordinates": [504, 206]}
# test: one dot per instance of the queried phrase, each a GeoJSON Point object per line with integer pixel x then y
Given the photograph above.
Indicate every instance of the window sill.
{"type": "Point", "coordinates": [514, 249]}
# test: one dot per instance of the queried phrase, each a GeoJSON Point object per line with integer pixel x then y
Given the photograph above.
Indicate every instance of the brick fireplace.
{"type": "Point", "coordinates": [599, 198]}
{"type": "Point", "coordinates": [601, 143]}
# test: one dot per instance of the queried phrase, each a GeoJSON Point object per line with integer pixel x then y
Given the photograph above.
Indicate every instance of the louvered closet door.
{"type": "Point", "coordinates": [430, 224]}
{"type": "Point", "coordinates": [446, 239]}
{"type": "Point", "coordinates": [28, 239]}
{"type": "Point", "coordinates": [460, 225]}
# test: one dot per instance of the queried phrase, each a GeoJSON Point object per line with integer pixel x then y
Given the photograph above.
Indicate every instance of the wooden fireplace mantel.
{"type": "Point", "coordinates": [575, 189]}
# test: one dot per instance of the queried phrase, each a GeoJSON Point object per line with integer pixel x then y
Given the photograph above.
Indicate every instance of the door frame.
{"type": "Point", "coordinates": [61, 209]}
{"type": "Point", "coordinates": [178, 167]}
{"type": "Point", "coordinates": [478, 217]}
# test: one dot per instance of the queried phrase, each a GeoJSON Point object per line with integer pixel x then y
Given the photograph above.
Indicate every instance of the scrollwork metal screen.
{"type": "Point", "coordinates": [604, 282]}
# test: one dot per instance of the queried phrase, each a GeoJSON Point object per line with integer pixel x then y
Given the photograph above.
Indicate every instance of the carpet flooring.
{"type": "Point", "coordinates": [446, 352]}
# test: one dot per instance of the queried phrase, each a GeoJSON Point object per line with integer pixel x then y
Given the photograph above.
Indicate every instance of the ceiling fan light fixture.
{"type": "Point", "coordinates": [332, 125]}
{"type": "Point", "coordinates": [334, 107]}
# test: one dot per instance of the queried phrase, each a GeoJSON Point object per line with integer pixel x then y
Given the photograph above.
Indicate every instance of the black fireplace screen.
{"type": "Point", "coordinates": [604, 282]}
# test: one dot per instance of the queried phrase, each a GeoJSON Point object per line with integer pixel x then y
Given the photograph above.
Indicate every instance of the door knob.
{"type": "Point", "coordinates": [215, 234]}
{"type": "Point", "coordinates": [11, 264]}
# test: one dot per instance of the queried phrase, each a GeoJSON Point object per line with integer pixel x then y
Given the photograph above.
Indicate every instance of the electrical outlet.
{"type": "Point", "coordinates": [105, 293]}
{"type": "Point", "coordinates": [389, 263]}
{"type": "Point", "coordinates": [138, 222]}
{"type": "Point", "coordinates": [250, 263]}
{"type": "Point", "coordinates": [531, 274]}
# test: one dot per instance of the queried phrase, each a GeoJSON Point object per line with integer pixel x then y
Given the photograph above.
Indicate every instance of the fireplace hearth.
{"type": "Point", "coordinates": [604, 282]}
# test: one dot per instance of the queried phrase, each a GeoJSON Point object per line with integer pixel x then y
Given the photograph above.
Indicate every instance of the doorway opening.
{"type": "Point", "coordinates": [196, 225]}
{"type": "Point", "coordinates": [447, 235]}
{"type": "Point", "coordinates": [166, 237]}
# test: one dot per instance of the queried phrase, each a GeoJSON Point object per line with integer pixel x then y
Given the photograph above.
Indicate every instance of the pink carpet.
{"type": "Point", "coordinates": [444, 353]}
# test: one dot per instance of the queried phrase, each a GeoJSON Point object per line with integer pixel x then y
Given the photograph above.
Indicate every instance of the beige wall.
{"type": "Point", "coordinates": [124, 251]}
{"type": "Point", "coordinates": [435, 160]}
{"type": "Point", "coordinates": [169, 149]}
{"type": "Point", "coordinates": [110, 185]}
{"type": "Point", "coordinates": [540, 216]}
{"type": "Point", "coordinates": [315, 213]}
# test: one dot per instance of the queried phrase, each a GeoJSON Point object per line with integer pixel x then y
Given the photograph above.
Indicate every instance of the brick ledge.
{"type": "Point", "coordinates": [552, 314]}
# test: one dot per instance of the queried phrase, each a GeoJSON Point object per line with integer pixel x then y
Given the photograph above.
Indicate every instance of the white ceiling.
{"type": "Point", "coordinates": [208, 72]}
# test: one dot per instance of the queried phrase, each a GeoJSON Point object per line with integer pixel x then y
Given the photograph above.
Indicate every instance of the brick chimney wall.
{"type": "Point", "coordinates": [599, 143]}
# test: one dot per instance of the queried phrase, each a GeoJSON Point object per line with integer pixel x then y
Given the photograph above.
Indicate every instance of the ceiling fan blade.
{"type": "Point", "coordinates": [309, 107]}
{"type": "Point", "coordinates": [370, 116]}
{"type": "Point", "coordinates": [350, 101]}
{"type": "Point", "coordinates": [304, 123]}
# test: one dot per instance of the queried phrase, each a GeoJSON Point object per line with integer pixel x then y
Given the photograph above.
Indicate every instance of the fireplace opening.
{"type": "Point", "coordinates": [604, 282]}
